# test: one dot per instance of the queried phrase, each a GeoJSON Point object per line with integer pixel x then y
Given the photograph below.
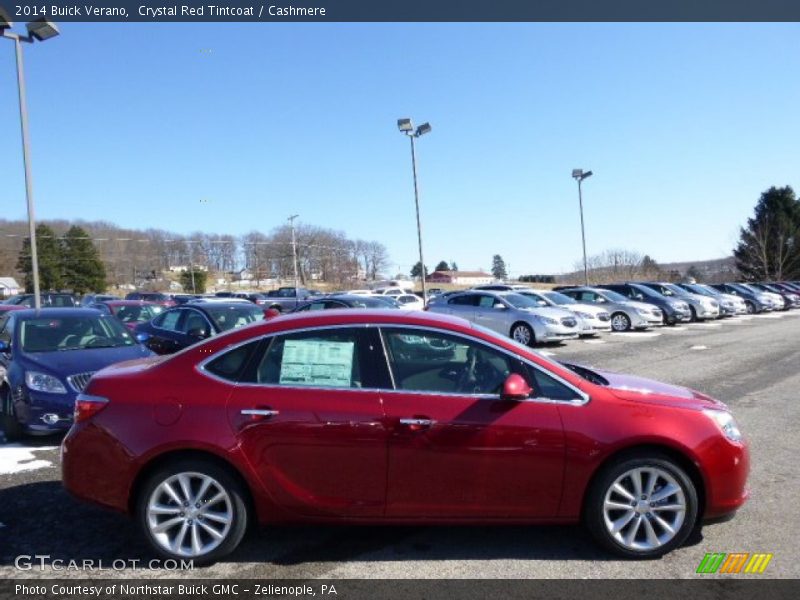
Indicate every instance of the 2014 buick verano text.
{"type": "Point", "coordinates": [396, 417]}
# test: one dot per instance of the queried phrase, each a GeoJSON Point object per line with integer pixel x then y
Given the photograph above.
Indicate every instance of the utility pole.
{"type": "Point", "coordinates": [294, 256]}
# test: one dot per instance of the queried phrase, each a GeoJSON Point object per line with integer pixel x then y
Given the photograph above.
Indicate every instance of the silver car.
{"type": "Point", "coordinates": [511, 314]}
{"type": "Point", "coordinates": [701, 307]}
{"type": "Point", "coordinates": [625, 314]}
{"type": "Point", "coordinates": [729, 304]}
{"type": "Point", "coordinates": [594, 318]}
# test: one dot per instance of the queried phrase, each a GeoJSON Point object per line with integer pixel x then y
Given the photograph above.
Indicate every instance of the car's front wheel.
{"type": "Point", "coordinates": [193, 510]}
{"type": "Point", "coordinates": [751, 307]}
{"type": "Point", "coordinates": [523, 333]}
{"type": "Point", "coordinates": [642, 507]}
{"type": "Point", "coordinates": [12, 428]}
{"type": "Point", "coordinates": [620, 322]}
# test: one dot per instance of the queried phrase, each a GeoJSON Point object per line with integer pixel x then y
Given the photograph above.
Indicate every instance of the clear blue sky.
{"type": "Point", "coordinates": [684, 126]}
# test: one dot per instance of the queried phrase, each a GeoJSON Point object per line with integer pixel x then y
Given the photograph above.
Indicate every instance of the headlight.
{"type": "Point", "coordinates": [644, 312]}
{"type": "Point", "coordinates": [41, 382]}
{"type": "Point", "coordinates": [584, 315]}
{"type": "Point", "coordinates": [726, 423]}
{"type": "Point", "coordinates": [547, 320]}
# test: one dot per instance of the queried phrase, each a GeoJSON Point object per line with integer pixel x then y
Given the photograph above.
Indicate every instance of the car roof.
{"type": "Point", "coordinates": [32, 313]}
{"type": "Point", "coordinates": [127, 303]}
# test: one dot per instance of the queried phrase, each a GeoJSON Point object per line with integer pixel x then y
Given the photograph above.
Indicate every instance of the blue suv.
{"type": "Point", "coordinates": [46, 359]}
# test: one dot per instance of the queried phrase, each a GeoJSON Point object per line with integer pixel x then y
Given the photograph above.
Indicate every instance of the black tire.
{"type": "Point", "coordinates": [595, 519]}
{"type": "Point", "coordinates": [694, 314]}
{"type": "Point", "coordinates": [751, 307]}
{"type": "Point", "coordinates": [525, 331]}
{"type": "Point", "coordinates": [12, 428]}
{"type": "Point", "coordinates": [620, 322]}
{"type": "Point", "coordinates": [225, 479]}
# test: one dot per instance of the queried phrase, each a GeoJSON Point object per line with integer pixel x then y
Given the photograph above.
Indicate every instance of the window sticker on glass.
{"type": "Point", "coordinates": [312, 362]}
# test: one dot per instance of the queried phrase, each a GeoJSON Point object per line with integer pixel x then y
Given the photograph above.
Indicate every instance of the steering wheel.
{"type": "Point", "coordinates": [96, 340]}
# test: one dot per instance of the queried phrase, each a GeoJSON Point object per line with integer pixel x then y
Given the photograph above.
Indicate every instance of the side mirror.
{"type": "Point", "coordinates": [5, 347]}
{"type": "Point", "coordinates": [541, 303]}
{"type": "Point", "coordinates": [141, 337]}
{"type": "Point", "coordinates": [499, 306]}
{"type": "Point", "coordinates": [515, 388]}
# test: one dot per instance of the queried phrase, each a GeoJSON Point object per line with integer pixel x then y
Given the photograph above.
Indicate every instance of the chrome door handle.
{"type": "Point", "coordinates": [417, 422]}
{"type": "Point", "coordinates": [259, 412]}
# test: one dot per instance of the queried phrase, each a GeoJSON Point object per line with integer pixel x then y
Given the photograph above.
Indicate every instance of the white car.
{"type": "Point", "coordinates": [410, 302]}
{"type": "Point", "coordinates": [593, 318]}
{"type": "Point", "coordinates": [360, 292]}
{"type": "Point", "coordinates": [391, 291]}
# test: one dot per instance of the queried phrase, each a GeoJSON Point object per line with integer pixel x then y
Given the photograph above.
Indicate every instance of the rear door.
{"type": "Point", "coordinates": [309, 419]}
{"type": "Point", "coordinates": [493, 313]}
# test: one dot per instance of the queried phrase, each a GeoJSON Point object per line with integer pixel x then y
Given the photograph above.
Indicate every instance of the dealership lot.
{"type": "Point", "coordinates": [750, 362]}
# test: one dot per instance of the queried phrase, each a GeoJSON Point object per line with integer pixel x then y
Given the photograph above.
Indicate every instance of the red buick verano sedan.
{"type": "Point", "coordinates": [394, 417]}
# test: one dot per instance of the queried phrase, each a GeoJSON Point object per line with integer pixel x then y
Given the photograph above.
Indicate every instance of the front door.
{"type": "Point", "coordinates": [456, 449]}
{"type": "Point", "coordinates": [311, 424]}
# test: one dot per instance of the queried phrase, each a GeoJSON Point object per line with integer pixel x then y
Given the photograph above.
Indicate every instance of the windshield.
{"type": "Point", "coordinates": [72, 333]}
{"type": "Point", "coordinates": [710, 290]}
{"type": "Point", "coordinates": [230, 317]}
{"type": "Point", "coordinates": [750, 288]}
{"type": "Point", "coordinates": [678, 291]}
{"type": "Point", "coordinates": [523, 349]}
{"type": "Point", "coordinates": [134, 314]}
{"type": "Point", "coordinates": [614, 296]}
{"type": "Point", "coordinates": [699, 289]}
{"type": "Point", "coordinates": [520, 301]}
{"type": "Point", "coordinates": [559, 298]}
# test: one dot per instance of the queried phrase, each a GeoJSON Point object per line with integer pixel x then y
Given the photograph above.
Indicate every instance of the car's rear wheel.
{"type": "Point", "coordinates": [642, 507]}
{"type": "Point", "coordinates": [620, 322]}
{"type": "Point", "coordinates": [12, 428]}
{"type": "Point", "coordinates": [193, 509]}
{"type": "Point", "coordinates": [523, 333]}
{"type": "Point", "coordinates": [694, 314]}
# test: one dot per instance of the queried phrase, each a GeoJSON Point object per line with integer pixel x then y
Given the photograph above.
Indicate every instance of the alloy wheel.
{"type": "Point", "coordinates": [644, 508]}
{"type": "Point", "coordinates": [189, 514]}
{"type": "Point", "coordinates": [522, 334]}
{"type": "Point", "coordinates": [620, 322]}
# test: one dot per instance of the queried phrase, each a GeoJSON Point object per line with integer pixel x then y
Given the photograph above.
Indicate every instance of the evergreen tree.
{"type": "Point", "coordinates": [416, 270]}
{"type": "Point", "coordinates": [769, 247]}
{"type": "Point", "coordinates": [442, 266]}
{"type": "Point", "coordinates": [453, 266]}
{"type": "Point", "coordinates": [82, 268]}
{"type": "Point", "coordinates": [49, 255]}
{"type": "Point", "coordinates": [499, 267]}
{"type": "Point", "coordinates": [200, 278]}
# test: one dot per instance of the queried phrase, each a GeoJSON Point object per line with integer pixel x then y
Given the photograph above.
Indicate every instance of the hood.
{"type": "Point", "coordinates": [549, 311]}
{"type": "Point", "coordinates": [591, 309]}
{"type": "Point", "coordinates": [640, 389]}
{"type": "Point", "coordinates": [70, 362]}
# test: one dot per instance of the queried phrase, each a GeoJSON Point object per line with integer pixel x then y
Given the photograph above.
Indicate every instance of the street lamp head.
{"type": "Point", "coordinates": [423, 129]}
{"type": "Point", "coordinates": [405, 125]}
{"type": "Point", "coordinates": [42, 29]}
{"type": "Point", "coordinates": [587, 174]}
{"type": "Point", "coordinates": [5, 19]}
{"type": "Point", "coordinates": [580, 174]}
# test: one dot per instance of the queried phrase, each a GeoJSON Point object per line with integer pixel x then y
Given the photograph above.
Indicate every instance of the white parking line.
{"type": "Point", "coordinates": [636, 334]}
{"type": "Point", "coordinates": [770, 316]}
{"type": "Point", "coordinates": [594, 341]}
{"type": "Point", "coordinates": [676, 329]}
{"type": "Point", "coordinates": [547, 352]}
{"type": "Point", "coordinates": [705, 325]}
{"type": "Point", "coordinates": [698, 347]}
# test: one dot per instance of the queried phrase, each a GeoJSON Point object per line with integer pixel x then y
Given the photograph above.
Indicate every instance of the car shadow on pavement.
{"type": "Point", "coordinates": [40, 518]}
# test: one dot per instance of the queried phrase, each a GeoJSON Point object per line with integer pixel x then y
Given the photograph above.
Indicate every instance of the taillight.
{"type": "Point", "coordinates": [87, 406]}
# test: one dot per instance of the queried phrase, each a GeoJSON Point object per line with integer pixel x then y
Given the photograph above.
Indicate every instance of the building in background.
{"type": "Point", "coordinates": [460, 277]}
{"type": "Point", "coordinates": [9, 287]}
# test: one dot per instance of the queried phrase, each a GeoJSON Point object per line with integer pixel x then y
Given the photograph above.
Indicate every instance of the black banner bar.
{"type": "Point", "coordinates": [402, 10]}
{"type": "Point", "coordinates": [703, 588]}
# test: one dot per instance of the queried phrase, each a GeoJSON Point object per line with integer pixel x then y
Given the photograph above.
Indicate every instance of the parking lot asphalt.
{"type": "Point", "coordinates": [751, 363]}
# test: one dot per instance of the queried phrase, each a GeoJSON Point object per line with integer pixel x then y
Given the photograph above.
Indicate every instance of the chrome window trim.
{"type": "Point", "coordinates": [582, 400]}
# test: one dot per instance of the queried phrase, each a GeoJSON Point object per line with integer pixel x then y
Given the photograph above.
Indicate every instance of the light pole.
{"type": "Point", "coordinates": [41, 30]}
{"type": "Point", "coordinates": [407, 127]}
{"type": "Point", "coordinates": [579, 175]}
{"type": "Point", "coordinates": [294, 256]}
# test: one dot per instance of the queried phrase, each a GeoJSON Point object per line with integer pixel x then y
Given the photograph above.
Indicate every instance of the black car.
{"type": "Point", "coordinates": [49, 299]}
{"type": "Point", "coordinates": [347, 301]}
{"type": "Point", "coordinates": [675, 310]}
{"type": "Point", "coordinates": [180, 327]}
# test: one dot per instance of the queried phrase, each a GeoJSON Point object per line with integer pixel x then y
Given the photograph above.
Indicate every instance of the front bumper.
{"type": "Point", "coordinates": [554, 333]}
{"type": "Point", "coordinates": [43, 413]}
{"type": "Point", "coordinates": [726, 466]}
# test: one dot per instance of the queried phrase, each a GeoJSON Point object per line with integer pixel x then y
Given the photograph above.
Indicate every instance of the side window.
{"type": "Point", "coordinates": [434, 362]}
{"type": "Point", "coordinates": [6, 328]}
{"type": "Point", "coordinates": [231, 364]}
{"type": "Point", "coordinates": [465, 300]}
{"type": "Point", "coordinates": [545, 386]}
{"type": "Point", "coordinates": [326, 358]}
{"type": "Point", "coordinates": [168, 320]}
{"type": "Point", "coordinates": [318, 306]}
{"type": "Point", "coordinates": [486, 301]}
